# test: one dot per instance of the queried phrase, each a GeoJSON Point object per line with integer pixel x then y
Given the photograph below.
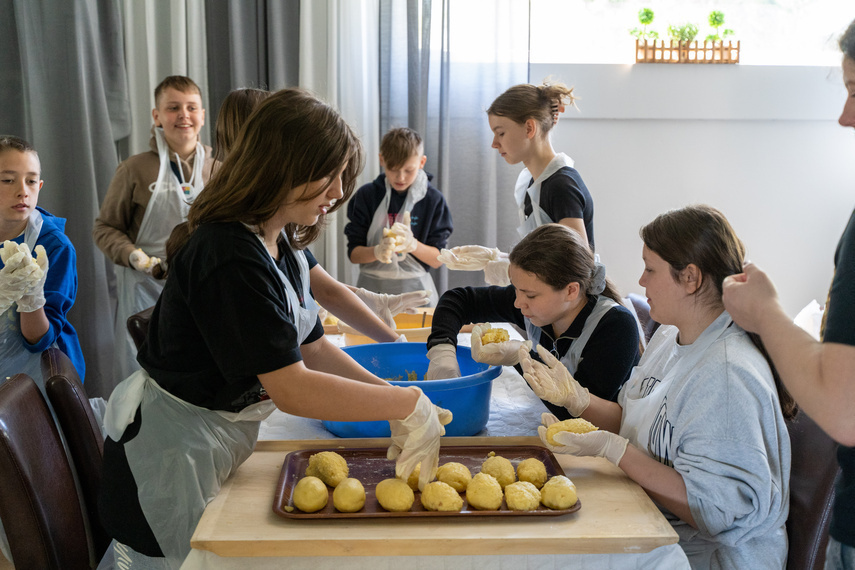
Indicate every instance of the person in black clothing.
{"type": "Point", "coordinates": [561, 297]}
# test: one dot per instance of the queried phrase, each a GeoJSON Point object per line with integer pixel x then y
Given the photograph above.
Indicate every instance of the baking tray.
{"type": "Point", "coordinates": [370, 466]}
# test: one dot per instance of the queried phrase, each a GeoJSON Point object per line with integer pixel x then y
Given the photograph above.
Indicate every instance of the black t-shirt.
{"type": "Point", "coordinates": [840, 328]}
{"type": "Point", "coordinates": [564, 195]}
{"type": "Point", "coordinates": [608, 356]}
{"type": "Point", "coordinates": [222, 319]}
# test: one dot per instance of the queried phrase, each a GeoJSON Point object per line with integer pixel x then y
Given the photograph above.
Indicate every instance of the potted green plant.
{"type": "Point", "coordinates": [716, 20]}
{"type": "Point", "coordinates": [645, 18]}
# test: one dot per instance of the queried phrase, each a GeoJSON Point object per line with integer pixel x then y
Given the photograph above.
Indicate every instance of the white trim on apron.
{"type": "Point", "coordinates": [538, 217]}
{"type": "Point", "coordinates": [404, 273]}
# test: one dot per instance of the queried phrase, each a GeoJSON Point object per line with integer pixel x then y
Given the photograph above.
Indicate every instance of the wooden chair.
{"type": "Point", "coordinates": [138, 326]}
{"type": "Point", "coordinates": [812, 479]}
{"type": "Point", "coordinates": [82, 436]}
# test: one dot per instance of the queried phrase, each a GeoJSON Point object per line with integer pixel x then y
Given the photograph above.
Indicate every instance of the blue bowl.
{"type": "Point", "coordinates": [468, 397]}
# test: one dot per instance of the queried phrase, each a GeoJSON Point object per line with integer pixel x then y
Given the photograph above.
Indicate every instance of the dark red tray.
{"type": "Point", "coordinates": [370, 466]}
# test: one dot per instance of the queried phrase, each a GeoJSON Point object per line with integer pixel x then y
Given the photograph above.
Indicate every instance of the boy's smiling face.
{"type": "Point", "coordinates": [20, 183]}
{"type": "Point", "coordinates": [182, 117]}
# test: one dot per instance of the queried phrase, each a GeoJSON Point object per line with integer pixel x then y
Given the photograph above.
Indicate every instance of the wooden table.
{"type": "Point", "coordinates": [616, 516]}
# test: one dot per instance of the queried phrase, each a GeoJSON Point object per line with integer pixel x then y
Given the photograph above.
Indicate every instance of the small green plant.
{"type": "Point", "coordinates": [716, 21]}
{"type": "Point", "coordinates": [685, 33]}
{"type": "Point", "coordinates": [645, 18]}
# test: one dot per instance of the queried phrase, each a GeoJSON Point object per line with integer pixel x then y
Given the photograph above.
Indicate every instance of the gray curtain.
{"type": "Point", "coordinates": [251, 44]}
{"type": "Point", "coordinates": [63, 87]}
{"type": "Point", "coordinates": [430, 83]}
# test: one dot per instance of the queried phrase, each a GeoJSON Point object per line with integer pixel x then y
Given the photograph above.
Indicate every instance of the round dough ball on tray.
{"type": "Point", "coordinates": [455, 474]}
{"type": "Point", "coordinates": [484, 493]}
{"type": "Point", "coordinates": [328, 466]}
{"type": "Point", "coordinates": [413, 479]}
{"type": "Point", "coordinates": [439, 496]}
{"type": "Point", "coordinates": [558, 493]}
{"type": "Point", "coordinates": [500, 468]}
{"type": "Point", "coordinates": [310, 494]}
{"type": "Point", "coordinates": [532, 470]}
{"type": "Point", "coordinates": [349, 496]}
{"type": "Point", "coordinates": [522, 496]}
{"type": "Point", "coordinates": [394, 495]}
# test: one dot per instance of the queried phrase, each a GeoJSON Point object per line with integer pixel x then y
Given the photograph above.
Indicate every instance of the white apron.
{"type": "Point", "coordinates": [640, 421]}
{"type": "Point", "coordinates": [168, 207]}
{"type": "Point", "coordinates": [573, 357]}
{"type": "Point", "coordinates": [183, 453]}
{"type": "Point", "coordinates": [14, 358]}
{"type": "Point", "coordinates": [538, 217]}
{"type": "Point", "coordinates": [405, 273]}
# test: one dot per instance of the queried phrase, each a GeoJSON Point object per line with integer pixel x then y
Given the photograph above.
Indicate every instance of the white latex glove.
{"type": "Point", "coordinates": [405, 241]}
{"type": "Point", "coordinates": [496, 271]}
{"type": "Point", "coordinates": [140, 261]}
{"type": "Point", "coordinates": [497, 353]}
{"type": "Point", "coordinates": [468, 257]}
{"type": "Point", "coordinates": [592, 444]}
{"type": "Point", "coordinates": [553, 382]}
{"type": "Point", "coordinates": [387, 306]}
{"type": "Point", "coordinates": [443, 362]}
{"type": "Point", "coordinates": [20, 271]}
{"type": "Point", "coordinates": [33, 298]}
{"type": "Point", "coordinates": [384, 250]}
{"type": "Point", "coordinates": [415, 439]}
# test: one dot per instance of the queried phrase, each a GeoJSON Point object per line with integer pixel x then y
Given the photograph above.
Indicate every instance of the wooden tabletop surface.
{"type": "Point", "coordinates": [616, 516]}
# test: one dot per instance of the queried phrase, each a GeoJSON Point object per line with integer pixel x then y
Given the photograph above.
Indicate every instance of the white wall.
{"type": "Point", "coordinates": [761, 144]}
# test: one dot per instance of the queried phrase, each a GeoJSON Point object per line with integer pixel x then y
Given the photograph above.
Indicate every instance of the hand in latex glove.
{"type": "Point", "coordinates": [496, 271]}
{"type": "Point", "coordinates": [405, 241]}
{"type": "Point", "coordinates": [140, 261]}
{"type": "Point", "coordinates": [592, 444]}
{"type": "Point", "coordinates": [468, 257]}
{"type": "Point", "coordinates": [16, 273]}
{"type": "Point", "coordinates": [497, 353]}
{"type": "Point", "coordinates": [33, 298]}
{"type": "Point", "coordinates": [415, 440]}
{"type": "Point", "coordinates": [387, 306]}
{"type": "Point", "coordinates": [443, 362]}
{"type": "Point", "coordinates": [384, 250]}
{"type": "Point", "coordinates": [553, 382]}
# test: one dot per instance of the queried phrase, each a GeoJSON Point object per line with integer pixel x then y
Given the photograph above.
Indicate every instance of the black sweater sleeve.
{"type": "Point", "coordinates": [464, 305]}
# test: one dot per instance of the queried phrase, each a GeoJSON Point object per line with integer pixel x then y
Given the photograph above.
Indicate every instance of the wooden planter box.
{"type": "Point", "coordinates": [686, 52]}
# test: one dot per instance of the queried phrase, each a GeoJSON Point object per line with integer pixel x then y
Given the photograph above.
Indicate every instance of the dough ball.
{"type": "Point", "coordinates": [413, 479]}
{"type": "Point", "coordinates": [455, 474]}
{"type": "Point", "coordinates": [310, 494]}
{"type": "Point", "coordinates": [394, 495]}
{"type": "Point", "coordinates": [349, 496]}
{"type": "Point", "coordinates": [575, 425]}
{"type": "Point", "coordinates": [484, 493]}
{"type": "Point", "coordinates": [328, 466]}
{"type": "Point", "coordinates": [439, 496]}
{"type": "Point", "coordinates": [558, 493]}
{"type": "Point", "coordinates": [522, 496]}
{"type": "Point", "coordinates": [500, 468]}
{"type": "Point", "coordinates": [532, 470]}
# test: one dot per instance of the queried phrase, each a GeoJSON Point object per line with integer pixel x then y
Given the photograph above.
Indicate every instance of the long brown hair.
{"type": "Point", "coordinates": [291, 139]}
{"type": "Point", "coordinates": [234, 111]}
{"type": "Point", "coordinates": [539, 102]}
{"type": "Point", "coordinates": [557, 256]}
{"type": "Point", "coordinates": [702, 236]}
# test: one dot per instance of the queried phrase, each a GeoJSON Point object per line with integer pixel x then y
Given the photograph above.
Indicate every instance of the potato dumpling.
{"type": "Point", "coordinates": [413, 479]}
{"type": "Point", "coordinates": [439, 496]}
{"type": "Point", "coordinates": [500, 468]}
{"type": "Point", "coordinates": [495, 335]}
{"type": "Point", "coordinates": [310, 494]}
{"type": "Point", "coordinates": [455, 474]}
{"type": "Point", "coordinates": [558, 493]}
{"type": "Point", "coordinates": [394, 495]}
{"type": "Point", "coordinates": [328, 466]}
{"type": "Point", "coordinates": [532, 470]}
{"type": "Point", "coordinates": [575, 425]}
{"type": "Point", "coordinates": [484, 493]}
{"type": "Point", "coordinates": [522, 496]}
{"type": "Point", "coordinates": [349, 496]}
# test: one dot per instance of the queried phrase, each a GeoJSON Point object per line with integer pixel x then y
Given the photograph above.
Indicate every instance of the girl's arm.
{"type": "Point", "coordinates": [604, 414]}
{"type": "Point", "coordinates": [664, 484]}
{"type": "Point", "coordinates": [427, 254]}
{"type": "Point", "coordinates": [578, 225]}
{"type": "Point", "coordinates": [324, 356]}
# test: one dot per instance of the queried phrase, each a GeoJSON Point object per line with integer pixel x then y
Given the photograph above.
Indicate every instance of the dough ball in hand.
{"type": "Point", "coordinates": [558, 493]}
{"type": "Point", "coordinates": [484, 493]}
{"type": "Point", "coordinates": [413, 479]}
{"type": "Point", "coordinates": [522, 496]}
{"type": "Point", "coordinates": [310, 494]}
{"type": "Point", "coordinates": [328, 466]}
{"type": "Point", "coordinates": [532, 470]}
{"type": "Point", "coordinates": [500, 468]}
{"type": "Point", "coordinates": [455, 474]}
{"type": "Point", "coordinates": [439, 496]}
{"type": "Point", "coordinates": [394, 495]}
{"type": "Point", "coordinates": [349, 496]}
